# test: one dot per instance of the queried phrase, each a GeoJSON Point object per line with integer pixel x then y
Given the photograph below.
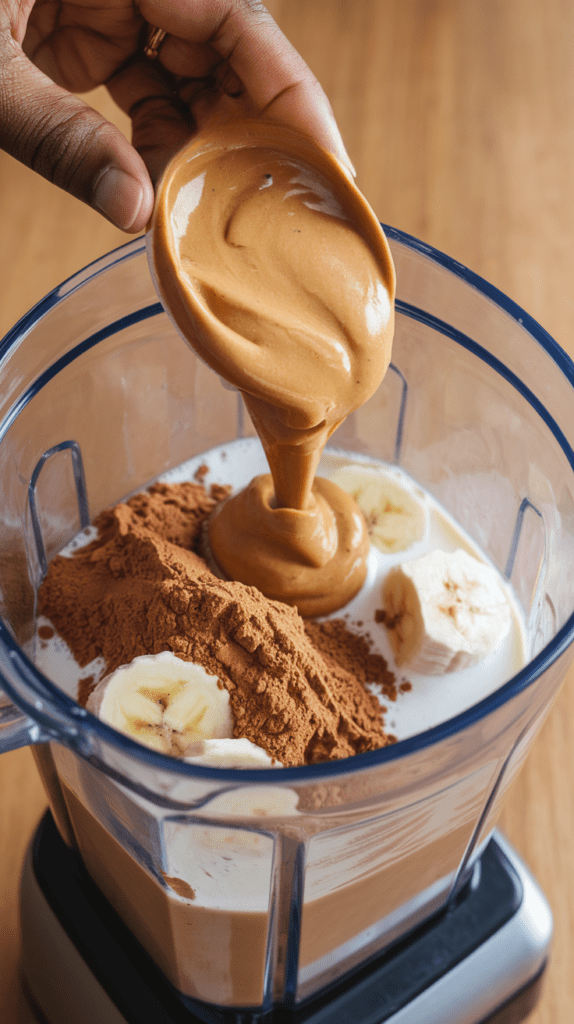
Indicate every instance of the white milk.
{"type": "Point", "coordinates": [432, 699]}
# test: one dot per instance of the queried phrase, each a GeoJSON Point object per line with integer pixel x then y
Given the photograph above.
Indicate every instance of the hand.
{"type": "Point", "coordinates": [216, 53]}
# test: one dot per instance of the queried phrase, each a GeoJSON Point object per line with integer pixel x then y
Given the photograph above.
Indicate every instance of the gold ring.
{"type": "Point", "coordinates": [155, 38]}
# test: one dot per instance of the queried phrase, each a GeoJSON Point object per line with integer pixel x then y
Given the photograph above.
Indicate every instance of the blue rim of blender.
{"type": "Point", "coordinates": [370, 759]}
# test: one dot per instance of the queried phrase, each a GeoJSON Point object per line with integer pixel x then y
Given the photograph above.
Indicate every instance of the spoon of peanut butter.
{"type": "Point", "coordinates": [277, 273]}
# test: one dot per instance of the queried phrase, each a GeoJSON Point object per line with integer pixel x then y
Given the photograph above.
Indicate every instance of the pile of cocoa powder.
{"type": "Point", "coordinates": [296, 689]}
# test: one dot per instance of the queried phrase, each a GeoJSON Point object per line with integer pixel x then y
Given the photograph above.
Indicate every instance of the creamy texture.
{"type": "Point", "coordinates": [277, 272]}
{"type": "Point", "coordinates": [313, 558]}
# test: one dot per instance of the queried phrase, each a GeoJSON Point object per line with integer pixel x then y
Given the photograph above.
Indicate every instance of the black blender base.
{"type": "Point", "coordinates": [479, 962]}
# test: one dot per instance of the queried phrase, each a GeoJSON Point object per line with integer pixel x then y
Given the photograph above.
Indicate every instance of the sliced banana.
{"type": "Point", "coordinates": [163, 702]}
{"type": "Point", "coordinates": [444, 612]}
{"type": "Point", "coordinates": [230, 753]}
{"type": "Point", "coordinates": [395, 518]}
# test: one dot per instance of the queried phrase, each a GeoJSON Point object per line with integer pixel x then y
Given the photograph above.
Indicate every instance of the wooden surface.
{"type": "Point", "coordinates": [459, 117]}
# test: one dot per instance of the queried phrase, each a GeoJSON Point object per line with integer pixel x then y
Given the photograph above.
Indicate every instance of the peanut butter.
{"type": "Point", "coordinates": [277, 273]}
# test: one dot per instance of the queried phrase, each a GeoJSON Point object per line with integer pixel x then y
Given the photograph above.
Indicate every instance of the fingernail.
{"type": "Point", "coordinates": [351, 166]}
{"type": "Point", "coordinates": [344, 163]}
{"type": "Point", "coordinates": [338, 147]}
{"type": "Point", "coordinates": [345, 159]}
{"type": "Point", "coordinates": [348, 166]}
{"type": "Point", "coordinates": [118, 196]}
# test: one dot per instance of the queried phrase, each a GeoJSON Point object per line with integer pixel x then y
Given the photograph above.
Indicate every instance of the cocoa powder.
{"type": "Point", "coordinates": [296, 689]}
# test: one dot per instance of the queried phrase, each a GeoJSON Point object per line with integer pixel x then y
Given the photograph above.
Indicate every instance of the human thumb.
{"type": "Point", "coordinates": [70, 144]}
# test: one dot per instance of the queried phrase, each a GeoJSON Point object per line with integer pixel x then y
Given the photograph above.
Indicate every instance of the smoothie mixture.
{"type": "Point", "coordinates": [136, 586]}
{"type": "Point", "coordinates": [234, 617]}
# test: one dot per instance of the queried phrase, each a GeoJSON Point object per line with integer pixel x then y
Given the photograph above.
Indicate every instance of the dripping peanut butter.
{"type": "Point", "coordinates": [277, 273]}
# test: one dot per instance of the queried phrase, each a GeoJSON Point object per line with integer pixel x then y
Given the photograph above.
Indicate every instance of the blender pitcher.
{"type": "Point", "coordinates": [257, 888]}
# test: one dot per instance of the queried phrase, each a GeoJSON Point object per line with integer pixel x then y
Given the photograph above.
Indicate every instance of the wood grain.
{"type": "Point", "coordinates": [459, 117]}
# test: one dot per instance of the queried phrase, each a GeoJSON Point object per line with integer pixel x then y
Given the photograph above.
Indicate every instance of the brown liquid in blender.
{"type": "Point", "coordinates": [219, 955]}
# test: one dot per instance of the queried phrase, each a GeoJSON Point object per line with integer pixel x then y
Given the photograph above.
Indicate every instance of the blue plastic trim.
{"type": "Point", "coordinates": [414, 313]}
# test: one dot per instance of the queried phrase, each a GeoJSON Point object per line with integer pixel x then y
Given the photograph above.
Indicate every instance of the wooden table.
{"type": "Point", "coordinates": [459, 117]}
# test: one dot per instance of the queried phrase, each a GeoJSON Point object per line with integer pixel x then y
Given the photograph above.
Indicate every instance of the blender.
{"type": "Point", "coordinates": [374, 888]}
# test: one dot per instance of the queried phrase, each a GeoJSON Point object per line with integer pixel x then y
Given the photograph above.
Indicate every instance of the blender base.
{"type": "Point", "coordinates": [480, 961]}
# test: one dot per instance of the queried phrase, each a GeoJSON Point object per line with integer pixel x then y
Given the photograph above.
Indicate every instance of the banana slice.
{"type": "Point", "coordinates": [395, 518]}
{"type": "Point", "coordinates": [444, 612]}
{"type": "Point", "coordinates": [230, 753]}
{"type": "Point", "coordinates": [163, 702]}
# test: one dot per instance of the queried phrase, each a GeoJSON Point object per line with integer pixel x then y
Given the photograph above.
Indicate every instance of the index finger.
{"type": "Point", "coordinates": [277, 79]}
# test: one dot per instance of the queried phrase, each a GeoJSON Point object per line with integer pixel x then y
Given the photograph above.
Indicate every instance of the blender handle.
{"type": "Point", "coordinates": [16, 728]}
{"type": "Point", "coordinates": [81, 495]}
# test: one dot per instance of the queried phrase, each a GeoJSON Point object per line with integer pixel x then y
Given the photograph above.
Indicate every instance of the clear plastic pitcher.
{"type": "Point", "coordinates": [99, 396]}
